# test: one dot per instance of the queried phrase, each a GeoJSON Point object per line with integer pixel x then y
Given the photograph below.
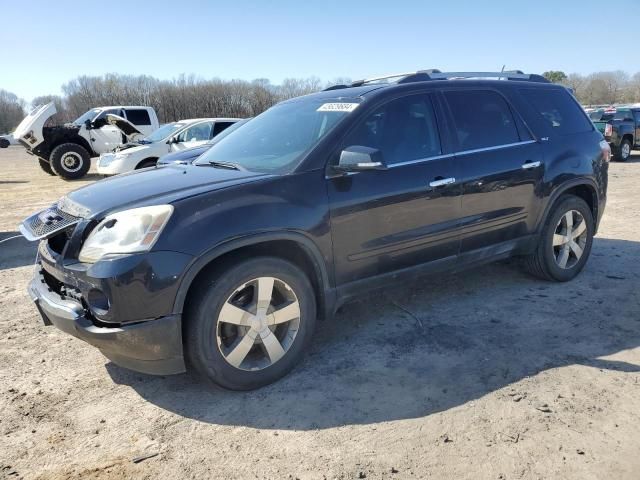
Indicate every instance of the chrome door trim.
{"type": "Point", "coordinates": [420, 160]}
{"type": "Point", "coordinates": [497, 147]}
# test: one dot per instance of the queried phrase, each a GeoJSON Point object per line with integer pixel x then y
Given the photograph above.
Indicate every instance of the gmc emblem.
{"type": "Point", "coordinates": [49, 218]}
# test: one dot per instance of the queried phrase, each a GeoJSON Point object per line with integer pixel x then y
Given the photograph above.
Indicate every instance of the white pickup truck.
{"type": "Point", "coordinates": [66, 150]}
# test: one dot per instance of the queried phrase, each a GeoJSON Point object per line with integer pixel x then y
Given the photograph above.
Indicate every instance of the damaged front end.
{"type": "Point", "coordinates": [104, 303]}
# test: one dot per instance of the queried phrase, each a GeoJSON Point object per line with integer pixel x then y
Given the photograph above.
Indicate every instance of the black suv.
{"type": "Point", "coordinates": [224, 265]}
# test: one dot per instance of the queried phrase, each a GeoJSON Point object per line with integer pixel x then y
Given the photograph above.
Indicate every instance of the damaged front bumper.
{"type": "Point", "coordinates": [151, 346]}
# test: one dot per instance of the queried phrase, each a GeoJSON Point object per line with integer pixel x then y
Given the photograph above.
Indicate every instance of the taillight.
{"type": "Point", "coordinates": [608, 130]}
{"type": "Point", "coordinates": [606, 150]}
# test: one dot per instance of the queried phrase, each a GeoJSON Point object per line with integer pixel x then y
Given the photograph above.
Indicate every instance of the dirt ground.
{"type": "Point", "coordinates": [485, 374]}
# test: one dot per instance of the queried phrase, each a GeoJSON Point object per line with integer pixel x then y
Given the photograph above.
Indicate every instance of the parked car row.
{"type": "Point", "coordinates": [173, 137]}
{"type": "Point", "coordinates": [223, 266]}
{"type": "Point", "coordinates": [124, 137]}
{"type": "Point", "coordinates": [66, 150]}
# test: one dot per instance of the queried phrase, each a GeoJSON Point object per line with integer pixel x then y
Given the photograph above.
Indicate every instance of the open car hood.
{"type": "Point", "coordinates": [31, 126]}
{"type": "Point", "coordinates": [123, 124]}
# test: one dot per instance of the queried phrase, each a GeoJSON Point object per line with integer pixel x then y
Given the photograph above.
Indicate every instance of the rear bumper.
{"type": "Point", "coordinates": [152, 346]}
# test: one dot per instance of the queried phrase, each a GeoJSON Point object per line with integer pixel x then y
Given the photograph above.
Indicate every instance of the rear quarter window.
{"type": "Point", "coordinates": [559, 111]}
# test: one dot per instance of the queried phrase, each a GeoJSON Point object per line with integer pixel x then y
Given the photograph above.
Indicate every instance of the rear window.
{"type": "Point", "coordinates": [483, 119]}
{"type": "Point", "coordinates": [138, 117]}
{"type": "Point", "coordinates": [623, 114]}
{"type": "Point", "coordinates": [559, 110]}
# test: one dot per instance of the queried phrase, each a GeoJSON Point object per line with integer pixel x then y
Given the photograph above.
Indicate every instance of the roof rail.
{"type": "Point", "coordinates": [435, 74]}
{"type": "Point", "coordinates": [507, 75]}
{"type": "Point", "coordinates": [399, 76]}
{"type": "Point", "coordinates": [335, 87]}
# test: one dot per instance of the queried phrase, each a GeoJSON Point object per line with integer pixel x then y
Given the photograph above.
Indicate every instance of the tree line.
{"type": "Point", "coordinates": [192, 97]}
{"type": "Point", "coordinates": [600, 88]}
{"type": "Point", "coordinates": [183, 97]}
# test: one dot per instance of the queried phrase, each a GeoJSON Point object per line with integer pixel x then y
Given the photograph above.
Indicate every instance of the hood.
{"type": "Point", "coordinates": [184, 156]}
{"type": "Point", "coordinates": [152, 187]}
{"type": "Point", "coordinates": [30, 129]}
{"type": "Point", "coordinates": [126, 126]}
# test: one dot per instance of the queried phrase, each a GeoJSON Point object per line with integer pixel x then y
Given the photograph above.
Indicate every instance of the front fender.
{"type": "Point", "coordinates": [198, 264]}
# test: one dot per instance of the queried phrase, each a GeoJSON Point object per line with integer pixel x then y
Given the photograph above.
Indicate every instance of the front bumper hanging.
{"type": "Point", "coordinates": [152, 346]}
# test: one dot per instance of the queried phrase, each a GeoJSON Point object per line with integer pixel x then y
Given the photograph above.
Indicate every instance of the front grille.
{"type": "Point", "coordinates": [44, 224]}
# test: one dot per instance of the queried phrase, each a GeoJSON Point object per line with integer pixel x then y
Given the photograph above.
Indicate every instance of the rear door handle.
{"type": "Point", "coordinates": [441, 182]}
{"type": "Point", "coordinates": [530, 165]}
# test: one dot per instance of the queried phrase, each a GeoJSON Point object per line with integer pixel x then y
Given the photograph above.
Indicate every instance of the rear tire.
{"type": "Point", "coordinates": [623, 152]}
{"type": "Point", "coordinates": [565, 241]}
{"type": "Point", "coordinates": [46, 167]}
{"type": "Point", "coordinates": [70, 161]}
{"type": "Point", "coordinates": [271, 338]}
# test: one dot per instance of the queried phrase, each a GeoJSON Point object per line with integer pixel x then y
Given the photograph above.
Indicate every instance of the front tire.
{"type": "Point", "coordinates": [623, 152]}
{"type": "Point", "coordinates": [249, 324]}
{"type": "Point", "coordinates": [565, 241]}
{"type": "Point", "coordinates": [70, 161]}
{"type": "Point", "coordinates": [46, 167]}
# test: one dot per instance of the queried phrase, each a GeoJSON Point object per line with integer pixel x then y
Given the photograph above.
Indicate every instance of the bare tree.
{"type": "Point", "coordinates": [11, 111]}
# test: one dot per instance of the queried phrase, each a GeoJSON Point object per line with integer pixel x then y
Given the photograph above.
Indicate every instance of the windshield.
{"type": "Point", "coordinates": [276, 139]}
{"type": "Point", "coordinates": [164, 132]}
{"type": "Point", "coordinates": [90, 115]}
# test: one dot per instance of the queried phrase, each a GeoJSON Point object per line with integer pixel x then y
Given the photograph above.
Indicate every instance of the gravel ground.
{"type": "Point", "coordinates": [484, 374]}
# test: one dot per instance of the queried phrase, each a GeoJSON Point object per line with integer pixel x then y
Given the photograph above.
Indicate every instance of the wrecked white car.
{"type": "Point", "coordinates": [66, 150]}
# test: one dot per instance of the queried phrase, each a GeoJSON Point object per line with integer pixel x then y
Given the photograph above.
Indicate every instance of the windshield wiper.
{"type": "Point", "coordinates": [227, 165]}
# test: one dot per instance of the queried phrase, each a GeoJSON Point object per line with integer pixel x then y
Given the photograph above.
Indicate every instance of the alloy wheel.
{"type": "Point", "coordinates": [569, 239]}
{"type": "Point", "coordinates": [258, 323]}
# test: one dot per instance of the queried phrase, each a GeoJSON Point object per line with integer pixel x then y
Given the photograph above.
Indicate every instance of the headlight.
{"type": "Point", "coordinates": [129, 231]}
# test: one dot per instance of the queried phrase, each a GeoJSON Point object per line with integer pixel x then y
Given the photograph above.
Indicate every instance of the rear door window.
{"type": "Point", "coordinates": [138, 116]}
{"type": "Point", "coordinates": [558, 109]}
{"type": "Point", "coordinates": [482, 119]}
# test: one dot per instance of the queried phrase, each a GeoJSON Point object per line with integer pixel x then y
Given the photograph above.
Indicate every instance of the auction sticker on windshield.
{"type": "Point", "coordinates": [337, 107]}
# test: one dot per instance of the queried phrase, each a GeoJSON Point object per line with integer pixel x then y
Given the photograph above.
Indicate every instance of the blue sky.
{"type": "Point", "coordinates": [46, 43]}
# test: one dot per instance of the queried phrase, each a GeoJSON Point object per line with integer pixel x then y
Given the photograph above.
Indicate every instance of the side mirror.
{"type": "Point", "coordinates": [172, 140]}
{"type": "Point", "coordinates": [359, 159]}
{"type": "Point", "coordinates": [88, 124]}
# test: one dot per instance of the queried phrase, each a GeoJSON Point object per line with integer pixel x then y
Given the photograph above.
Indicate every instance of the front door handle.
{"type": "Point", "coordinates": [530, 165]}
{"type": "Point", "coordinates": [439, 182]}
